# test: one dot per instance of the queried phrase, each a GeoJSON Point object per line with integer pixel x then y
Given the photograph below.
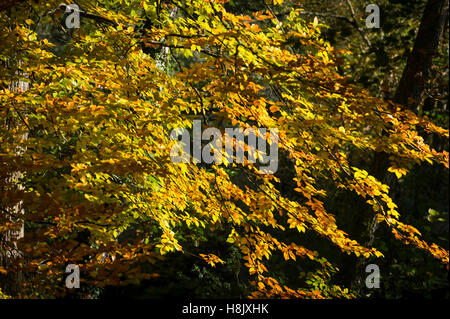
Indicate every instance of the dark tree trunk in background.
{"type": "Point", "coordinates": [414, 77]}
{"type": "Point", "coordinates": [412, 83]}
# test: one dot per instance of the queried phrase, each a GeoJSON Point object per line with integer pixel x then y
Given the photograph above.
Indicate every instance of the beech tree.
{"type": "Point", "coordinates": [90, 137]}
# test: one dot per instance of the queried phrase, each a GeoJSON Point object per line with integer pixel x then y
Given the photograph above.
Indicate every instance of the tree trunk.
{"type": "Point", "coordinates": [414, 77]}
{"type": "Point", "coordinates": [11, 283]}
